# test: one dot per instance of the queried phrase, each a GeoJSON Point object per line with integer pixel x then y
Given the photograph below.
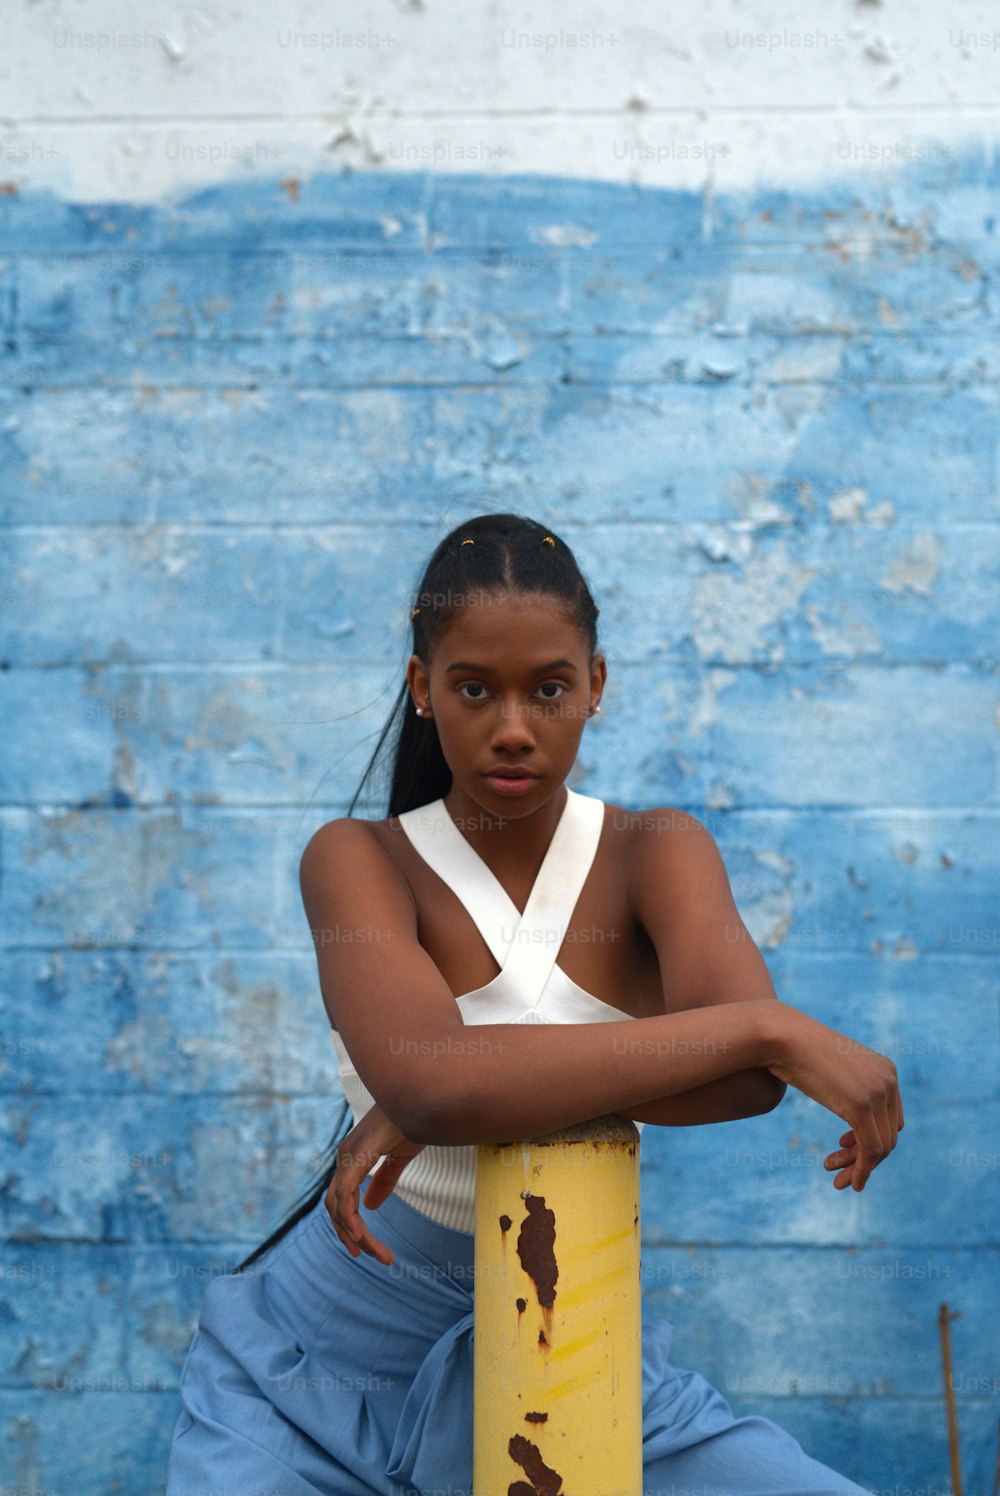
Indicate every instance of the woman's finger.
{"type": "Point", "coordinates": [384, 1181]}
{"type": "Point", "coordinates": [845, 1153]}
{"type": "Point", "coordinates": [345, 1190]}
{"type": "Point", "coordinates": [870, 1150]}
{"type": "Point", "coordinates": [886, 1130]}
{"type": "Point", "coordinates": [891, 1120]}
{"type": "Point", "coordinates": [341, 1204]}
{"type": "Point", "coordinates": [373, 1138]}
{"type": "Point", "coordinates": [344, 1210]}
{"type": "Point", "coordinates": [368, 1243]}
{"type": "Point", "coordinates": [354, 1159]}
{"type": "Point", "coordinates": [342, 1207]}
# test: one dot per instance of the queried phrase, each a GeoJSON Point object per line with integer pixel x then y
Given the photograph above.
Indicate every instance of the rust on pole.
{"type": "Point", "coordinates": [558, 1314]}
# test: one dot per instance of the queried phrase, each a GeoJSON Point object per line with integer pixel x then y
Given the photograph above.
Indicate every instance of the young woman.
{"type": "Point", "coordinates": [601, 963]}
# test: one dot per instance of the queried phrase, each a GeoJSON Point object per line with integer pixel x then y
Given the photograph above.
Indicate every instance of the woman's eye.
{"type": "Point", "coordinates": [476, 685]}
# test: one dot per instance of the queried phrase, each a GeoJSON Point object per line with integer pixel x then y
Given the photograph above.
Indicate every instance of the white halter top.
{"type": "Point", "coordinates": [529, 987]}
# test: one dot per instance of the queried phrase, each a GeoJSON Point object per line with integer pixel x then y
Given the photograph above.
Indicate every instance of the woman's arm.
{"type": "Point", "coordinates": [680, 898]}
{"type": "Point", "coordinates": [745, 1093]}
{"type": "Point", "coordinates": [442, 1082]}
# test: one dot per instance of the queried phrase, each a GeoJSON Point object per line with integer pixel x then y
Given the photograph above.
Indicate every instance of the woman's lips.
{"type": "Point", "coordinates": [506, 784]}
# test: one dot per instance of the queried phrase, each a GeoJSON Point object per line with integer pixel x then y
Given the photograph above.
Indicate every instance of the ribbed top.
{"type": "Point", "coordinates": [529, 987]}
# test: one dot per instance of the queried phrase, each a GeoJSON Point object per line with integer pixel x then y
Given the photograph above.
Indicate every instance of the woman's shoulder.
{"type": "Point", "coordinates": [346, 832]}
{"type": "Point", "coordinates": [658, 838]}
{"type": "Point", "coordinates": [339, 829]}
{"type": "Point", "coordinates": [343, 838]}
{"type": "Point", "coordinates": [355, 849]}
{"type": "Point", "coordinates": [639, 828]}
{"type": "Point", "coordinates": [657, 820]}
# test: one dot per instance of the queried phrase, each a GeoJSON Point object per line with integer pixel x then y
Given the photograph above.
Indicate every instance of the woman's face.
{"type": "Point", "coordinates": [510, 683]}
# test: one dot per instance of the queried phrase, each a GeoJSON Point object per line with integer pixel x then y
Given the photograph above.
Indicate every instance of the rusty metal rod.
{"type": "Point", "coordinates": [944, 1315]}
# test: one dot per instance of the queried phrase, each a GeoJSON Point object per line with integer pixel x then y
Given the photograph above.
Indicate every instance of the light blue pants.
{"type": "Point", "coordinates": [315, 1373]}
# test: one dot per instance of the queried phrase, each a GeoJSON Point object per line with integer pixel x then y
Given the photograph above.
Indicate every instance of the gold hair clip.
{"type": "Point", "coordinates": [467, 541]}
{"type": "Point", "coordinates": [547, 540]}
{"type": "Point", "coordinates": [414, 613]}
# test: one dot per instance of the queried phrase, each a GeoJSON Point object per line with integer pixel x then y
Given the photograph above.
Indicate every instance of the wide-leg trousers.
{"type": "Point", "coordinates": [315, 1373]}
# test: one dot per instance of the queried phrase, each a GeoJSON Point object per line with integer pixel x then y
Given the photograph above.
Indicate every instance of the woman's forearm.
{"type": "Point", "coordinates": [495, 1082]}
{"type": "Point", "coordinates": [744, 1093]}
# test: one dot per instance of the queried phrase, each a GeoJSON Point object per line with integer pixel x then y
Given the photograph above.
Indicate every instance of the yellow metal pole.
{"type": "Point", "coordinates": [557, 1364]}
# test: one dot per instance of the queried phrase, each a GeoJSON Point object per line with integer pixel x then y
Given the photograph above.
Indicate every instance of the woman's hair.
{"type": "Point", "coordinates": [512, 554]}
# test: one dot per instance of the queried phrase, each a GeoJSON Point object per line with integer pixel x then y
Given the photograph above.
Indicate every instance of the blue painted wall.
{"type": "Point", "coordinates": [231, 430]}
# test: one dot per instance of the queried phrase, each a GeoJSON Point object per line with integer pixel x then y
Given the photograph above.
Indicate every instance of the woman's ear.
{"type": "Point", "coordinates": [416, 678]}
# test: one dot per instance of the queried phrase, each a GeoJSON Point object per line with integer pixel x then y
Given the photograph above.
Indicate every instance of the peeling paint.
{"type": "Point", "coordinates": [565, 236]}
{"type": "Point", "coordinates": [536, 1249]}
{"type": "Point", "coordinates": [710, 686]}
{"type": "Point", "coordinates": [917, 566]}
{"type": "Point", "coordinates": [544, 1481]}
{"type": "Point", "coordinates": [731, 613]}
{"type": "Point", "coordinates": [846, 507]}
{"type": "Point", "coordinates": [720, 542]}
{"type": "Point", "coordinates": [852, 638]}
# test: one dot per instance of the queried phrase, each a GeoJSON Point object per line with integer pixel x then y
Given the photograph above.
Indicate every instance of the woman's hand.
{"type": "Point", "coordinates": [366, 1142]}
{"type": "Point", "coordinates": [844, 1159]}
{"type": "Point", "coordinates": [855, 1082]}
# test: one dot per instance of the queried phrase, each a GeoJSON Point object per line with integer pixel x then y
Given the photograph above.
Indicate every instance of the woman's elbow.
{"type": "Point", "coordinates": [773, 1091]}
{"type": "Point", "coordinates": [434, 1119]}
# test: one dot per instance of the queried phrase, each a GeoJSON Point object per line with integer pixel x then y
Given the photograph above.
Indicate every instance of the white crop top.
{"type": "Point", "coordinates": [529, 988]}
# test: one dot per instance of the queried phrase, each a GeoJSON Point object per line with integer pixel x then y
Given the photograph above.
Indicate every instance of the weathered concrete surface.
{"type": "Point", "coordinates": [230, 431]}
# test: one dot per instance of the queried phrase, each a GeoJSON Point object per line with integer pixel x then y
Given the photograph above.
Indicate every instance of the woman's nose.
{"type": "Point", "coordinates": [514, 724]}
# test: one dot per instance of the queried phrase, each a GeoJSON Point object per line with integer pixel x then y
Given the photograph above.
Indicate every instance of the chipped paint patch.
{"type": "Point", "coordinates": [536, 1249]}
{"type": "Point", "coordinates": [917, 566]}
{"type": "Point", "coordinates": [565, 236]}
{"type": "Point", "coordinates": [851, 507]}
{"type": "Point", "coordinates": [731, 614]}
{"type": "Point", "coordinates": [853, 637]}
{"type": "Point", "coordinates": [720, 542]}
{"type": "Point", "coordinates": [710, 685]}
